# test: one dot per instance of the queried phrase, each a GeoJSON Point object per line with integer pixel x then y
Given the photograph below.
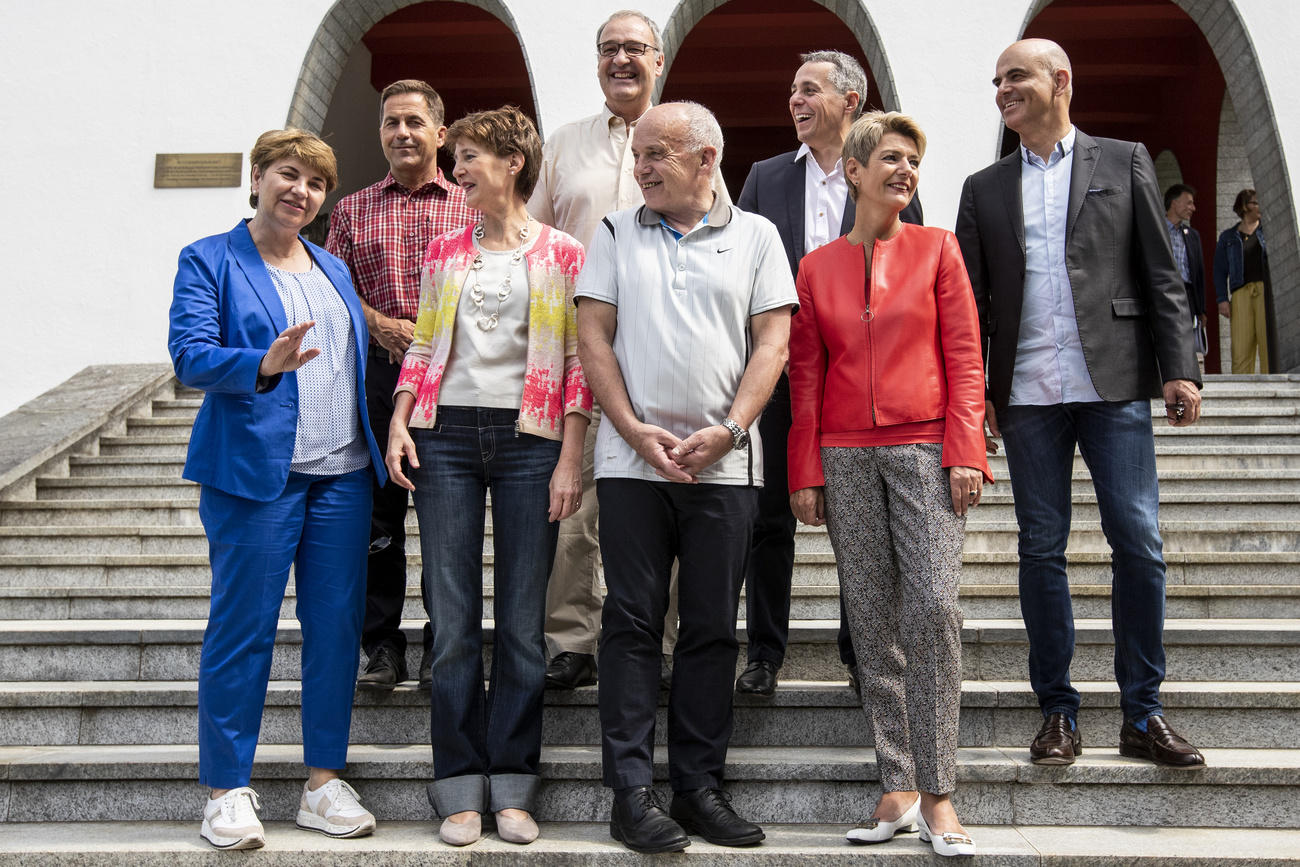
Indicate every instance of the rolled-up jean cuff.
{"type": "Point", "coordinates": [513, 792]}
{"type": "Point", "coordinates": [458, 794]}
{"type": "Point", "coordinates": [696, 781]}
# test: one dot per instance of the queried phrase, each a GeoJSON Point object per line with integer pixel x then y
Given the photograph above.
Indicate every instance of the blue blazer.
{"type": "Point", "coordinates": [225, 313]}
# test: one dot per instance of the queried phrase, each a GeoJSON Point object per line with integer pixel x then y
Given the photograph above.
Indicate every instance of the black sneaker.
{"type": "Point", "coordinates": [386, 669]}
{"type": "Point", "coordinates": [639, 822]}
{"type": "Point", "coordinates": [708, 813]}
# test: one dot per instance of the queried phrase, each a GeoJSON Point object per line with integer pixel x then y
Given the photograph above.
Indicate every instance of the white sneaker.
{"type": "Point", "coordinates": [230, 822]}
{"type": "Point", "coordinates": [333, 809]}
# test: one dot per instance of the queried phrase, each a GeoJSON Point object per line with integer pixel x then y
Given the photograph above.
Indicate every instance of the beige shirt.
{"type": "Point", "coordinates": [587, 173]}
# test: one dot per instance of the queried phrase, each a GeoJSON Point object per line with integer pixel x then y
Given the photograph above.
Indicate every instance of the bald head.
{"type": "Point", "coordinates": [1034, 84]}
{"type": "Point", "coordinates": [677, 145]}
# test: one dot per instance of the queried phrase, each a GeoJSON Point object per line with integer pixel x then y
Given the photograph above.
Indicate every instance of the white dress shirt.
{"type": "Point", "coordinates": [1050, 367]}
{"type": "Point", "coordinates": [824, 196]}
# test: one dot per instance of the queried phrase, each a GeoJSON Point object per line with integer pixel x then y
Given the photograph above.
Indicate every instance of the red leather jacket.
{"type": "Point", "coordinates": [915, 357]}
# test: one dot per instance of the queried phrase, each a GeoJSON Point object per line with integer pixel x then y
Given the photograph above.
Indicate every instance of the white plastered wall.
{"type": "Point", "coordinates": [92, 90]}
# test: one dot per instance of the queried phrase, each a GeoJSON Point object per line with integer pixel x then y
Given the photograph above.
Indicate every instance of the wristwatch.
{"type": "Point", "coordinates": [739, 436]}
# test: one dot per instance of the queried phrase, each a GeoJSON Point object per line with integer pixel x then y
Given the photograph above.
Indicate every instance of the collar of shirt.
{"type": "Point", "coordinates": [718, 215]}
{"type": "Point", "coordinates": [439, 182]}
{"type": "Point", "coordinates": [816, 167]}
{"type": "Point", "coordinates": [1172, 225]}
{"type": "Point", "coordinates": [1063, 149]}
{"type": "Point", "coordinates": [614, 123]}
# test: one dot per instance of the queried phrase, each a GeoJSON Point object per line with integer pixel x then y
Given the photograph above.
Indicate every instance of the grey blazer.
{"type": "Point", "coordinates": [1130, 302]}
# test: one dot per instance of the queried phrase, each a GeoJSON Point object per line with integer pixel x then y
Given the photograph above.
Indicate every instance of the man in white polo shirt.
{"type": "Point", "coordinates": [683, 324]}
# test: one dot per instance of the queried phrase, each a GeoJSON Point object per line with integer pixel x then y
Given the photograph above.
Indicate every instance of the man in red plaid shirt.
{"type": "Point", "coordinates": [381, 232]}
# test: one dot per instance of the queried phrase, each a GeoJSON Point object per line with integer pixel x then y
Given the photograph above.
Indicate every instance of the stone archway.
{"type": "Point", "coordinates": [852, 12]}
{"type": "Point", "coordinates": [339, 32]}
{"type": "Point", "coordinates": [1234, 51]}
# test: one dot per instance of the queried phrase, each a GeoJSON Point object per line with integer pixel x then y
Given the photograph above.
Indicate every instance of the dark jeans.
{"type": "Point", "coordinates": [1116, 442]}
{"type": "Point", "coordinates": [771, 562]}
{"type": "Point", "coordinates": [644, 526]}
{"type": "Point", "coordinates": [386, 565]}
{"type": "Point", "coordinates": [497, 733]}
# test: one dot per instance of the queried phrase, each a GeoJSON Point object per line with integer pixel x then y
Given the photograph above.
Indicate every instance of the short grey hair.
{"type": "Point", "coordinates": [632, 13]}
{"type": "Point", "coordinates": [846, 75]}
{"type": "Point", "coordinates": [702, 130]}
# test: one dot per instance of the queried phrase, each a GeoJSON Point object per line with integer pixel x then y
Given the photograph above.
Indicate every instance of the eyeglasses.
{"type": "Point", "coordinates": [632, 49]}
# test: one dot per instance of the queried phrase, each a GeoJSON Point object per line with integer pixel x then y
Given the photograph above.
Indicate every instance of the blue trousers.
{"type": "Point", "coordinates": [321, 526]}
{"type": "Point", "coordinates": [1116, 443]}
{"type": "Point", "coordinates": [486, 742]}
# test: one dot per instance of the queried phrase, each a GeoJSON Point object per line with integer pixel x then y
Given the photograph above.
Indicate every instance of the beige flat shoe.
{"type": "Point", "coordinates": [516, 830]}
{"type": "Point", "coordinates": [461, 833]}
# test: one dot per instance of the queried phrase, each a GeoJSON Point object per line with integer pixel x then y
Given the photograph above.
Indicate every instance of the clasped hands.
{"type": "Point", "coordinates": [680, 460]}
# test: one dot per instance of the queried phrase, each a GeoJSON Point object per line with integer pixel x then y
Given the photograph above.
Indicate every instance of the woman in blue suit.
{"type": "Point", "coordinates": [269, 326]}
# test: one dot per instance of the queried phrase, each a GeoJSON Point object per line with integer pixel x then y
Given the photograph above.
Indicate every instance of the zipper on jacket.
{"type": "Point", "coordinates": [867, 316]}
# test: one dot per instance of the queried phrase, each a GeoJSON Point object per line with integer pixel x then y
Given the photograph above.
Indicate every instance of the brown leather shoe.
{"type": "Point", "coordinates": [1056, 743]}
{"type": "Point", "coordinates": [1159, 744]}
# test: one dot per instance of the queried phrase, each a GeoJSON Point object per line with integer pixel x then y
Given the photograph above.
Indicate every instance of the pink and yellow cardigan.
{"type": "Point", "coordinates": [553, 382]}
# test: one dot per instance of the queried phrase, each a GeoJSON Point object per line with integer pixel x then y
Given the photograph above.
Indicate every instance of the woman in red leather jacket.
{"type": "Point", "coordinates": [887, 449]}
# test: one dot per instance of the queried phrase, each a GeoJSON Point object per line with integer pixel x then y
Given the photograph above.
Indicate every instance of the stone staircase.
{"type": "Point", "coordinates": [103, 594]}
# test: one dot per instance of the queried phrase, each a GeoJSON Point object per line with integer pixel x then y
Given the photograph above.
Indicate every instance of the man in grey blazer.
{"type": "Point", "coordinates": [805, 194]}
{"type": "Point", "coordinates": [1084, 318]}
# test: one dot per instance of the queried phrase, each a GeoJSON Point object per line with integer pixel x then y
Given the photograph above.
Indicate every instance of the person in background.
{"type": "Point", "coordinates": [381, 232]}
{"type": "Point", "coordinates": [805, 195]}
{"type": "Point", "coordinates": [491, 397]}
{"type": "Point", "coordinates": [1241, 284]}
{"type": "Point", "coordinates": [269, 327]}
{"type": "Point", "coordinates": [1180, 205]}
{"type": "Point", "coordinates": [887, 449]}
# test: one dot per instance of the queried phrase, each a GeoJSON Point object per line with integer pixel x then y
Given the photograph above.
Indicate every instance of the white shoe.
{"type": "Point", "coordinates": [878, 830]}
{"type": "Point", "coordinates": [333, 809]}
{"type": "Point", "coordinates": [230, 822]}
{"type": "Point", "coordinates": [947, 844]}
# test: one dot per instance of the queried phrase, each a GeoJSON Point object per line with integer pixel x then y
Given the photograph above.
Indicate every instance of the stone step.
{"type": "Point", "coordinates": [163, 444]}
{"type": "Point", "coordinates": [1225, 460]}
{"type": "Point", "coordinates": [981, 536]}
{"type": "Point", "coordinates": [1208, 482]}
{"type": "Point", "coordinates": [180, 408]}
{"type": "Point", "coordinates": [996, 506]}
{"type": "Point", "coordinates": [1253, 650]}
{"type": "Point", "coordinates": [802, 713]}
{"type": "Point", "coordinates": [811, 568]}
{"type": "Point", "coordinates": [794, 784]}
{"type": "Point", "coordinates": [808, 602]}
{"type": "Point", "coordinates": [415, 844]}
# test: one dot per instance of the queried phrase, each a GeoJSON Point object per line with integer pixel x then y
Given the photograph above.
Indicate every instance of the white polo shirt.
{"type": "Point", "coordinates": [683, 338]}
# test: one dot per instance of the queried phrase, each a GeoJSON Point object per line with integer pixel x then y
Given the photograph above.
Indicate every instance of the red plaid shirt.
{"type": "Point", "coordinates": [381, 232]}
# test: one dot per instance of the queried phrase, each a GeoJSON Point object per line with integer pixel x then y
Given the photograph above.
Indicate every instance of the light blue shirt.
{"type": "Point", "coordinates": [1050, 367]}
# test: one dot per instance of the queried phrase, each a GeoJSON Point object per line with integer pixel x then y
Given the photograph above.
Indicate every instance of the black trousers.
{"type": "Point", "coordinates": [771, 562]}
{"type": "Point", "coordinates": [644, 526]}
{"type": "Point", "coordinates": [386, 565]}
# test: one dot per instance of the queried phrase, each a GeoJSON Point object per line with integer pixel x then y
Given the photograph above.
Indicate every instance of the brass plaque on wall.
{"type": "Point", "coordinates": [197, 170]}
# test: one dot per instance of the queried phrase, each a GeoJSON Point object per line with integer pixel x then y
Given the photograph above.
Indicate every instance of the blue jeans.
{"type": "Point", "coordinates": [486, 743]}
{"type": "Point", "coordinates": [320, 525]}
{"type": "Point", "coordinates": [1117, 444]}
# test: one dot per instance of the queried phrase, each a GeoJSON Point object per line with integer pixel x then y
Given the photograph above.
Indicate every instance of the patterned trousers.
{"type": "Point", "coordinates": [898, 546]}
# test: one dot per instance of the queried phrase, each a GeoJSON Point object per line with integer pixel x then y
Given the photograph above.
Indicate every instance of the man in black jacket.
{"type": "Point", "coordinates": [1180, 204]}
{"type": "Point", "coordinates": [805, 194]}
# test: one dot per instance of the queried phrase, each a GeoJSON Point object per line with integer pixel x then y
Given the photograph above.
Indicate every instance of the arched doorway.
{"type": "Point", "coordinates": [1170, 73]}
{"type": "Point", "coordinates": [739, 57]}
{"type": "Point", "coordinates": [363, 45]}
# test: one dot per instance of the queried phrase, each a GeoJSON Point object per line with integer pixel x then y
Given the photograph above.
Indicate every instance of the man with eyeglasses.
{"type": "Point", "coordinates": [586, 174]}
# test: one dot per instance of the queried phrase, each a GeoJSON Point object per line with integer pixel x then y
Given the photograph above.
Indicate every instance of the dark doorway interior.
{"type": "Point", "coordinates": [739, 61]}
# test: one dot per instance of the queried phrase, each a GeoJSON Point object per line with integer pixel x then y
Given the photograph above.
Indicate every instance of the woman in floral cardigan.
{"type": "Point", "coordinates": [491, 397]}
